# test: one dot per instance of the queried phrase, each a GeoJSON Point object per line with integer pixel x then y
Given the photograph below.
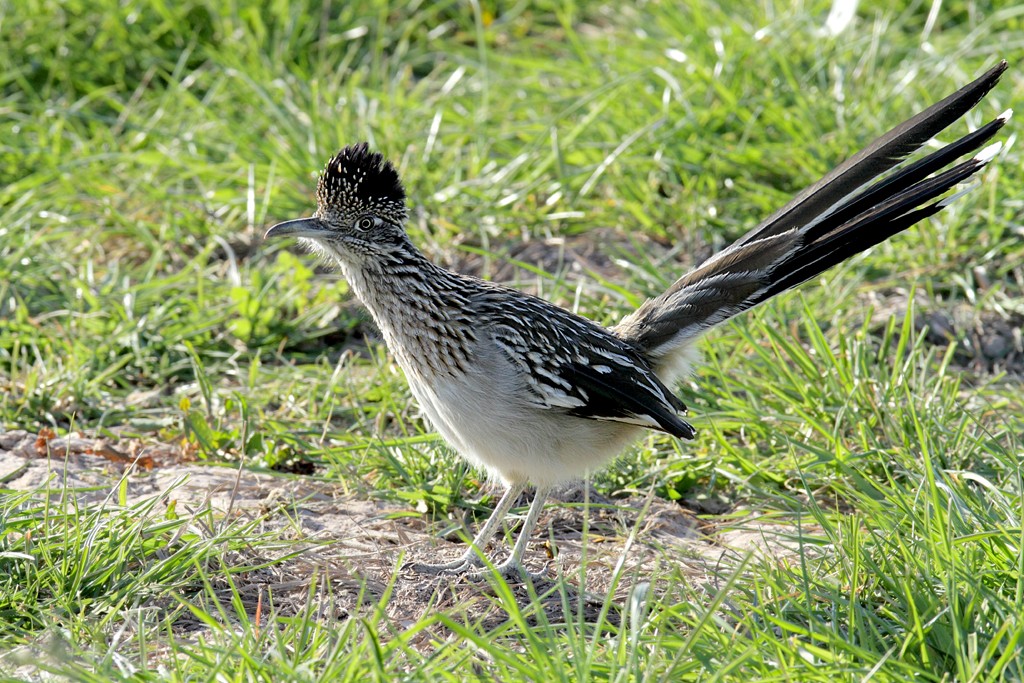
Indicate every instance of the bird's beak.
{"type": "Point", "coordinates": [300, 227]}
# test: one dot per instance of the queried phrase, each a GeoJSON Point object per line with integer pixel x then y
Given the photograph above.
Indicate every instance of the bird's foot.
{"type": "Point", "coordinates": [508, 570]}
{"type": "Point", "coordinates": [465, 563]}
{"type": "Point", "coordinates": [472, 568]}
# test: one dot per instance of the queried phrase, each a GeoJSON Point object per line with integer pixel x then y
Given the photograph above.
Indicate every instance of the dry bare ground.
{"type": "Point", "coordinates": [359, 552]}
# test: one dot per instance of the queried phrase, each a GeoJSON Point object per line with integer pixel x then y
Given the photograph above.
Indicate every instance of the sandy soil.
{"type": "Point", "coordinates": [358, 548]}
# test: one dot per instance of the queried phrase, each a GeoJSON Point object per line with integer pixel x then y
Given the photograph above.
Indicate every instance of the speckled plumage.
{"type": "Point", "coordinates": [358, 181]}
{"type": "Point", "coordinates": [533, 393]}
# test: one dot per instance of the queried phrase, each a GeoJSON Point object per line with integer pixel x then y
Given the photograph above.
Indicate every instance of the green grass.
{"type": "Point", "coordinates": [146, 147]}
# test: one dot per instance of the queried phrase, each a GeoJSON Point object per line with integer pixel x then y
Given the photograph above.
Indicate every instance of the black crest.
{"type": "Point", "coordinates": [356, 178]}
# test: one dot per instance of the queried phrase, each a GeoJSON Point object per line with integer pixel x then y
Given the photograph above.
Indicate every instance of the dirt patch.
{"type": "Point", "coordinates": [987, 341]}
{"type": "Point", "coordinates": [361, 552]}
{"type": "Point", "coordinates": [601, 252]}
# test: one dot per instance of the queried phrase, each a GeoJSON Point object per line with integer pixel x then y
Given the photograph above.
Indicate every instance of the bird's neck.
{"type": "Point", "coordinates": [421, 309]}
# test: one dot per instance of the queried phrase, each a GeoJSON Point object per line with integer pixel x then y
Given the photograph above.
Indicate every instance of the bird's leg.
{"type": "Point", "coordinates": [513, 566]}
{"type": "Point", "coordinates": [471, 558]}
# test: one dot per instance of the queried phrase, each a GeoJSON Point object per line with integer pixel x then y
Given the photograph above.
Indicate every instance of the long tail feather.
{"type": "Point", "coordinates": [888, 218]}
{"type": "Point", "coordinates": [877, 158]}
{"type": "Point", "coordinates": [854, 207]}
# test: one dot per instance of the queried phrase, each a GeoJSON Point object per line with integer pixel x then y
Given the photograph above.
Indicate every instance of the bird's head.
{"type": "Point", "coordinates": [360, 212]}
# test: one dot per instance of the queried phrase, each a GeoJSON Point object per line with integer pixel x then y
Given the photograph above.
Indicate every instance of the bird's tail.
{"type": "Point", "coordinates": [849, 210]}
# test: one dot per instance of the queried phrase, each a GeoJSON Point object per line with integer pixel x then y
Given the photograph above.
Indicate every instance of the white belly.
{"type": "Point", "coordinates": [513, 440]}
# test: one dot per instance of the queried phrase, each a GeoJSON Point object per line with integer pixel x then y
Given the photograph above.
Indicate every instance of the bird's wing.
{"type": "Point", "coordinates": [571, 364]}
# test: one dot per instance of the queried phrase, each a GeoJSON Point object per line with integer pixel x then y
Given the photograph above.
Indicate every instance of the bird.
{"type": "Point", "coordinates": [534, 394]}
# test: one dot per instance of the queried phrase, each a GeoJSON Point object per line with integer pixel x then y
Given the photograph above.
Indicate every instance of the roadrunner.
{"type": "Point", "coordinates": [532, 393]}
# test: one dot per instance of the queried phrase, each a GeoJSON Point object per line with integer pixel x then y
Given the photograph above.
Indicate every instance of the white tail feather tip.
{"type": "Point", "coordinates": [989, 152]}
{"type": "Point", "coordinates": [1005, 116]}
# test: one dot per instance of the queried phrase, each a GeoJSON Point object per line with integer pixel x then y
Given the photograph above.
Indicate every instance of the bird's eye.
{"type": "Point", "coordinates": [364, 223]}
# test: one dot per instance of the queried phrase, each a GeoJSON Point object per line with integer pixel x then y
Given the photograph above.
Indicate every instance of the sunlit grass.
{"type": "Point", "coordinates": [146, 147]}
